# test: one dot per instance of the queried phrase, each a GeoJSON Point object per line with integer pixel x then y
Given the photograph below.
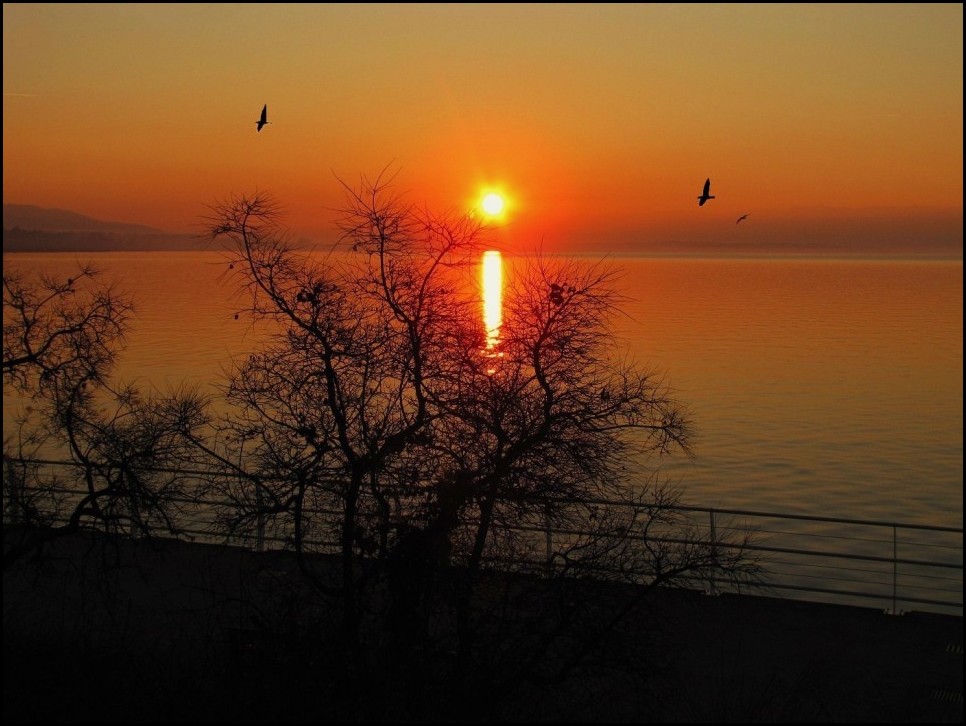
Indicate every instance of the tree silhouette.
{"type": "Point", "coordinates": [60, 341]}
{"type": "Point", "coordinates": [376, 419]}
{"type": "Point", "coordinates": [57, 328]}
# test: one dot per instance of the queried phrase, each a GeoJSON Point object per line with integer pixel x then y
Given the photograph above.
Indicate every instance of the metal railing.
{"type": "Point", "coordinates": [895, 566]}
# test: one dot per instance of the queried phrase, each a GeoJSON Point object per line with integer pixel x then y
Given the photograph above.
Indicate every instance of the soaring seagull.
{"type": "Point", "coordinates": [263, 120]}
{"type": "Point", "coordinates": [743, 216]}
{"type": "Point", "coordinates": [704, 195]}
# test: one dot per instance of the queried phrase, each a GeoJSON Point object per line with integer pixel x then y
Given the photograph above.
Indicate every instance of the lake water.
{"type": "Point", "coordinates": [830, 387]}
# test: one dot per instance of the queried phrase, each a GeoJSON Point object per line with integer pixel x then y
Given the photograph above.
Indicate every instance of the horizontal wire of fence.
{"type": "Point", "coordinates": [898, 566]}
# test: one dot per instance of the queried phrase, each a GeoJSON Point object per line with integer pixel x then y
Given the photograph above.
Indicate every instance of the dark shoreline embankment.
{"type": "Point", "coordinates": [161, 630]}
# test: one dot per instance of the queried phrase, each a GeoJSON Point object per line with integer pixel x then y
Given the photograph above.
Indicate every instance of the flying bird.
{"type": "Point", "coordinates": [704, 195]}
{"type": "Point", "coordinates": [743, 216]}
{"type": "Point", "coordinates": [264, 118]}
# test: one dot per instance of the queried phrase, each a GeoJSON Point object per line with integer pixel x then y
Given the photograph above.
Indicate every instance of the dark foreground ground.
{"type": "Point", "coordinates": [165, 631]}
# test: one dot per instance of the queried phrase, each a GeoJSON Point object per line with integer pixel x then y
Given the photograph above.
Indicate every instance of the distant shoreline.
{"type": "Point", "coordinates": [30, 240]}
{"type": "Point", "coordinates": [188, 243]}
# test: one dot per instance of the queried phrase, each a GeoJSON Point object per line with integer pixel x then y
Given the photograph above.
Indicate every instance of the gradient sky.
{"type": "Point", "coordinates": [831, 124]}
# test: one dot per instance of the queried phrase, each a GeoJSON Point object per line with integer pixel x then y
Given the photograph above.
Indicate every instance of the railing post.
{"type": "Point", "coordinates": [548, 531]}
{"type": "Point", "coordinates": [14, 490]}
{"type": "Point", "coordinates": [134, 507]}
{"type": "Point", "coordinates": [895, 568]}
{"type": "Point", "coordinates": [260, 521]}
{"type": "Point", "coordinates": [714, 555]}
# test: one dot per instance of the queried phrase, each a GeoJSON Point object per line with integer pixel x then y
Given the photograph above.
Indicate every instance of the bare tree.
{"type": "Point", "coordinates": [345, 392]}
{"type": "Point", "coordinates": [378, 420]}
{"type": "Point", "coordinates": [54, 328]}
{"type": "Point", "coordinates": [60, 340]}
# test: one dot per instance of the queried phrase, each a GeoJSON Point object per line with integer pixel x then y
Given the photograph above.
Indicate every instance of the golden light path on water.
{"type": "Point", "coordinates": [492, 283]}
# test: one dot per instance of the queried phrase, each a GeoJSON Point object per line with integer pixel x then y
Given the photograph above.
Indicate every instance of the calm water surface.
{"type": "Point", "coordinates": [828, 387]}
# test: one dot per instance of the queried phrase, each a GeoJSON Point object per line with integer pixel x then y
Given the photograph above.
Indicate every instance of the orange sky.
{"type": "Point", "coordinates": [831, 124]}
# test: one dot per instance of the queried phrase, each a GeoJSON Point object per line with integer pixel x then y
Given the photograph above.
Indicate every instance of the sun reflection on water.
{"type": "Point", "coordinates": [492, 282]}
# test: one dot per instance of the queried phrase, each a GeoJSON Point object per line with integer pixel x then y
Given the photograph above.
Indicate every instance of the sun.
{"type": "Point", "coordinates": [492, 204]}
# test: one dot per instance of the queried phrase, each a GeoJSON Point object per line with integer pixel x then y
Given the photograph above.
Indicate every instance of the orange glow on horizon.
{"type": "Point", "coordinates": [492, 284]}
{"type": "Point", "coordinates": [583, 161]}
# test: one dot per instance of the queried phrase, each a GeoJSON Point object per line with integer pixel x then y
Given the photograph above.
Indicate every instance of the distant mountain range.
{"type": "Point", "coordinates": [27, 216]}
{"type": "Point", "coordinates": [27, 228]}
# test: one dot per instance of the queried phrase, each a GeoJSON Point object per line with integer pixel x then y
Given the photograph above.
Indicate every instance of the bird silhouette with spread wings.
{"type": "Point", "coordinates": [743, 216]}
{"type": "Point", "coordinates": [705, 196]}
{"type": "Point", "coordinates": [263, 120]}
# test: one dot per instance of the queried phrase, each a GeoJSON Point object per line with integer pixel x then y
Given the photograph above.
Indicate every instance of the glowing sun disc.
{"type": "Point", "coordinates": [492, 204]}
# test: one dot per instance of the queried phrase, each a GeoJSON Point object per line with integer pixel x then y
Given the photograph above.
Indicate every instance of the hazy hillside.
{"type": "Point", "coordinates": [27, 216]}
{"type": "Point", "coordinates": [27, 228]}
